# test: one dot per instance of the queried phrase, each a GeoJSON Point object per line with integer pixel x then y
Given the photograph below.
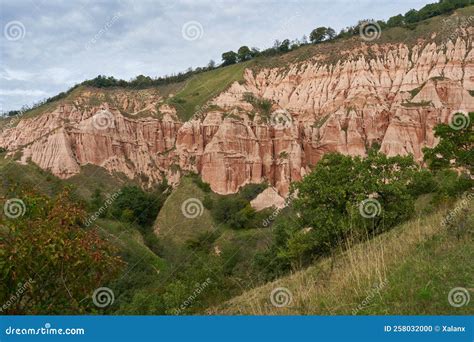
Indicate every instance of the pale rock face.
{"type": "Point", "coordinates": [394, 98]}
{"type": "Point", "coordinates": [268, 198]}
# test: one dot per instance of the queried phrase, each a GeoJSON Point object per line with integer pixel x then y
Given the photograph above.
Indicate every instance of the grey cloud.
{"type": "Point", "coordinates": [68, 41]}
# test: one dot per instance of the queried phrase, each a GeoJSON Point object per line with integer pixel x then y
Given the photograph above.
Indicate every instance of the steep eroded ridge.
{"type": "Point", "coordinates": [272, 127]}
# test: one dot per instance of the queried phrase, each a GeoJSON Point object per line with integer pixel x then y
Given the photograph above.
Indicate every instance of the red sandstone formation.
{"type": "Point", "coordinates": [394, 98]}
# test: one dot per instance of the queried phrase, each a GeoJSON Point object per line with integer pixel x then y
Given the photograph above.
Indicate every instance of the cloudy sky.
{"type": "Point", "coordinates": [48, 46]}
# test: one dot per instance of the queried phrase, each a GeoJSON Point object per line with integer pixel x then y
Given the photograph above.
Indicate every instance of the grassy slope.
{"type": "Point", "coordinates": [415, 265]}
{"type": "Point", "coordinates": [339, 49]}
{"type": "Point", "coordinates": [94, 177]}
{"type": "Point", "coordinates": [172, 226]}
{"type": "Point", "coordinates": [14, 175]}
{"type": "Point", "coordinates": [31, 177]}
{"type": "Point", "coordinates": [202, 87]}
{"type": "Point", "coordinates": [129, 240]}
{"type": "Point", "coordinates": [174, 229]}
{"type": "Point", "coordinates": [142, 265]}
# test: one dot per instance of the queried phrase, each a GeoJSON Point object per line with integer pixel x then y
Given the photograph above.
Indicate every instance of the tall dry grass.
{"type": "Point", "coordinates": [336, 285]}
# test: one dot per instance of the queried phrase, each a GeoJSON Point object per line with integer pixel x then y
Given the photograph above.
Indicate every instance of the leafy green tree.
{"type": "Point", "coordinates": [412, 16]}
{"type": "Point", "coordinates": [276, 261]}
{"type": "Point", "coordinates": [135, 205]}
{"type": "Point", "coordinates": [327, 210]}
{"type": "Point", "coordinates": [229, 57]}
{"type": "Point", "coordinates": [255, 52]}
{"type": "Point", "coordinates": [284, 46]}
{"type": "Point", "coordinates": [226, 208]}
{"type": "Point", "coordinates": [234, 211]}
{"type": "Point", "coordinates": [330, 33]}
{"type": "Point", "coordinates": [295, 44]}
{"type": "Point", "coordinates": [142, 81]}
{"type": "Point", "coordinates": [244, 54]}
{"type": "Point", "coordinates": [330, 198]}
{"type": "Point", "coordinates": [207, 202]}
{"type": "Point", "coordinates": [428, 11]}
{"type": "Point", "coordinates": [243, 218]}
{"type": "Point", "coordinates": [395, 21]}
{"type": "Point", "coordinates": [318, 35]}
{"type": "Point", "coordinates": [201, 277]}
{"type": "Point", "coordinates": [423, 182]}
{"type": "Point", "coordinates": [455, 148]}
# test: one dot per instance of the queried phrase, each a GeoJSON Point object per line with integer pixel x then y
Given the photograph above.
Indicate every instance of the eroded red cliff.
{"type": "Point", "coordinates": [391, 95]}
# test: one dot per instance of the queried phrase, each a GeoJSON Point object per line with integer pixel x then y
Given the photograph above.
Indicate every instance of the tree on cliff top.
{"type": "Point", "coordinates": [229, 57]}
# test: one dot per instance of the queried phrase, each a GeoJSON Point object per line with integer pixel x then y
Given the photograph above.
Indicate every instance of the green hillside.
{"type": "Point", "coordinates": [408, 270]}
{"type": "Point", "coordinates": [30, 176]}
{"type": "Point", "coordinates": [204, 86]}
{"type": "Point", "coordinates": [172, 225]}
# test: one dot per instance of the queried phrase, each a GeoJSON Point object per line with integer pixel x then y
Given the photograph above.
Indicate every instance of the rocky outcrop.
{"type": "Point", "coordinates": [272, 127]}
{"type": "Point", "coordinates": [268, 198]}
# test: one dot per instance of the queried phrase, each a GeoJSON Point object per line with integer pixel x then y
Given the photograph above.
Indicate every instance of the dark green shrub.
{"type": "Point", "coordinates": [203, 242]}
{"type": "Point", "coordinates": [208, 202]}
{"type": "Point", "coordinates": [200, 183]}
{"type": "Point", "coordinates": [133, 204]}
{"type": "Point", "coordinates": [250, 191]}
{"type": "Point", "coordinates": [450, 184]}
{"type": "Point", "coordinates": [423, 183]}
{"type": "Point", "coordinates": [234, 212]}
{"type": "Point", "coordinates": [455, 148]}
